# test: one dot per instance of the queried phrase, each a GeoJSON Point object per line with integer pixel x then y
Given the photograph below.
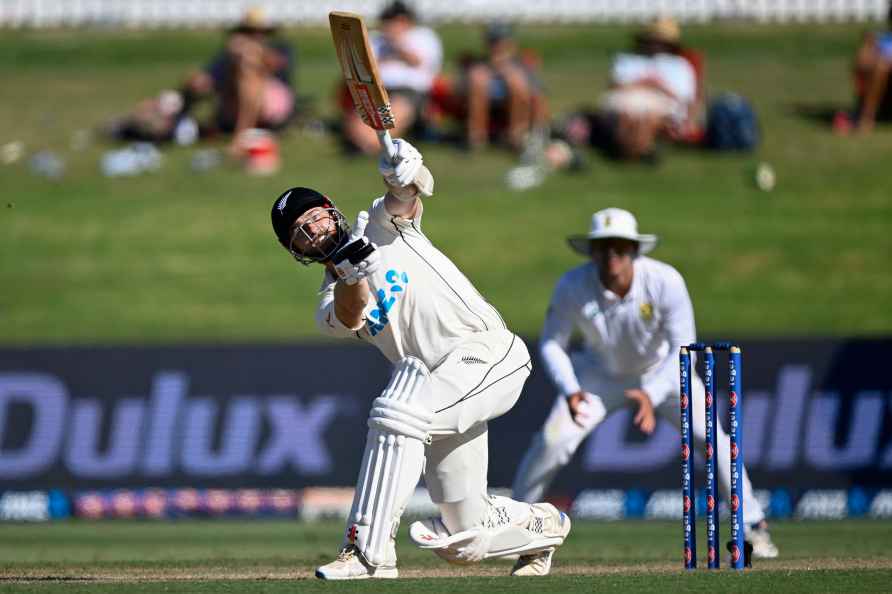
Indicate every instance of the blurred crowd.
{"type": "Point", "coordinates": [656, 95]}
{"type": "Point", "coordinates": [870, 75]}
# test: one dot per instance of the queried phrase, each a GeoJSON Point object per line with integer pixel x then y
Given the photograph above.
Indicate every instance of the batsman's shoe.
{"type": "Point", "coordinates": [350, 565]}
{"type": "Point", "coordinates": [533, 565]}
{"type": "Point", "coordinates": [551, 524]}
{"type": "Point", "coordinates": [763, 547]}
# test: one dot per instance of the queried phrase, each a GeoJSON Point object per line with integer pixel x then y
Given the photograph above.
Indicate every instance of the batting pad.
{"type": "Point", "coordinates": [392, 462]}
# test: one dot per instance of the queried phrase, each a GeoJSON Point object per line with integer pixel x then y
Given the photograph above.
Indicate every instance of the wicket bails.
{"type": "Point", "coordinates": [735, 504]}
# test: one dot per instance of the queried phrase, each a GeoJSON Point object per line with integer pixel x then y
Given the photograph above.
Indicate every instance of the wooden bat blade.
{"type": "Point", "coordinates": [360, 69]}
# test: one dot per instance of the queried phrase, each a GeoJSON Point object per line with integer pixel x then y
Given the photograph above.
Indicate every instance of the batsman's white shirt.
{"type": "Point", "coordinates": [421, 305]}
{"type": "Point", "coordinates": [624, 337]}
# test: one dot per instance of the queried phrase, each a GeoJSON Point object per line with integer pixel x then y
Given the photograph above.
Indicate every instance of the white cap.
{"type": "Point", "coordinates": [612, 222]}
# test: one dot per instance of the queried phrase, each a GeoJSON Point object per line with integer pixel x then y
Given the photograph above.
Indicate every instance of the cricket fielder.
{"type": "Point", "coordinates": [633, 313]}
{"type": "Point", "coordinates": [455, 367]}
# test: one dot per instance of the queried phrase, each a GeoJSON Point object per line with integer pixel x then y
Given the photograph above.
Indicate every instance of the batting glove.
{"type": "Point", "coordinates": [359, 257]}
{"type": "Point", "coordinates": [405, 166]}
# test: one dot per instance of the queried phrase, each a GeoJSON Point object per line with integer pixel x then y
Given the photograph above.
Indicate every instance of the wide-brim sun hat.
{"type": "Point", "coordinates": [664, 29]}
{"type": "Point", "coordinates": [612, 223]}
{"type": "Point", "coordinates": [254, 20]}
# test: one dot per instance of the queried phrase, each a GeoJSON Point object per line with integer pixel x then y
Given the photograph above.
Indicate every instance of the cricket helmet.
{"type": "Point", "coordinates": [290, 205]}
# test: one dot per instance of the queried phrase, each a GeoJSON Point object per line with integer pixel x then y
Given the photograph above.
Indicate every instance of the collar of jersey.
{"type": "Point", "coordinates": [399, 221]}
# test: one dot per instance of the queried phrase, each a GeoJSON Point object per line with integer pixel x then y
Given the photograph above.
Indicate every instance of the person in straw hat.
{"type": "Point", "coordinates": [653, 92]}
{"type": "Point", "coordinates": [250, 79]}
{"type": "Point", "coordinates": [634, 313]}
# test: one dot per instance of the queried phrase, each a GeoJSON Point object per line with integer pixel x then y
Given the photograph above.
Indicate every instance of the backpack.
{"type": "Point", "coordinates": [731, 124]}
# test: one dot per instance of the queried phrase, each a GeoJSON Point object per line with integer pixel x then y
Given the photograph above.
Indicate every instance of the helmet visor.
{"type": "Point", "coordinates": [317, 237]}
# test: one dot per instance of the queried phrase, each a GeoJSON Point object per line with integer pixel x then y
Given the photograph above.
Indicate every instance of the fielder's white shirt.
{"type": "Point", "coordinates": [635, 336]}
{"type": "Point", "coordinates": [396, 73]}
{"type": "Point", "coordinates": [421, 303]}
{"type": "Point", "coordinates": [674, 72]}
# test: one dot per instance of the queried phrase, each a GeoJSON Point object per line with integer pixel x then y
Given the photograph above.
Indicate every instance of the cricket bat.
{"type": "Point", "coordinates": [351, 40]}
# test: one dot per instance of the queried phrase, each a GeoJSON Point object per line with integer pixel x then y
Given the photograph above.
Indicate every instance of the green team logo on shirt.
{"type": "Point", "coordinates": [647, 311]}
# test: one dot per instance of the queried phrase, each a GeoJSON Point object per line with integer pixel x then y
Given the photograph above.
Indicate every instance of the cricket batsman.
{"type": "Point", "coordinates": [455, 366]}
{"type": "Point", "coordinates": [633, 313]}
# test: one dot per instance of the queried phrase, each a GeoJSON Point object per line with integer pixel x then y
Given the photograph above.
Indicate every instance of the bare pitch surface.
{"type": "Point", "coordinates": [279, 556]}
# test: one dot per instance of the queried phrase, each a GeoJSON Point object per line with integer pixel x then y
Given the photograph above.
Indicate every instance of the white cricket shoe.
{"type": "Point", "coordinates": [760, 538]}
{"type": "Point", "coordinates": [533, 565]}
{"type": "Point", "coordinates": [552, 524]}
{"type": "Point", "coordinates": [350, 565]}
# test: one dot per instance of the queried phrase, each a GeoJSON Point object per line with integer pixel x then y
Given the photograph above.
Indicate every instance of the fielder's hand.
{"type": "Point", "coordinates": [406, 174]}
{"type": "Point", "coordinates": [358, 258]}
{"type": "Point", "coordinates": [580, 408]}
{"type": "Point", "coordinates": [644, 418]}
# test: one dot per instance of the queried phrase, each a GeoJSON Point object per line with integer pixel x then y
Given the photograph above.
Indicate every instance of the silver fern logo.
{"type": "Point", "coordinates": [281, 204]}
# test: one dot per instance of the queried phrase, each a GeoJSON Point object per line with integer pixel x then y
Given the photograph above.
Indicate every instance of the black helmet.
{"type": "Point", "coordinates": [290, 205]}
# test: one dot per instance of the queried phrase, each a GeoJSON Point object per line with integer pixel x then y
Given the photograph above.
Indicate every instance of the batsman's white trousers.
{"type": "Point", "coordinates": [554, 445]}
{"type": "Point", "coordinates": [481, 379]}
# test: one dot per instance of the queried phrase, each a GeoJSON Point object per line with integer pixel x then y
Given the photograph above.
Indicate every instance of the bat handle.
{"type": "Point", "coordinates": [387, 144]}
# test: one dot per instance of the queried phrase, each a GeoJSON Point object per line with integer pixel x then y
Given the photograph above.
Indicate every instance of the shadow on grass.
{"type": "Point", "coordinates": [819, 114]}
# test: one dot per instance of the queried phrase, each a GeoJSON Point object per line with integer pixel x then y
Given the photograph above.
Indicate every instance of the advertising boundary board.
{"type": "Point", "coordinates": [817, 414]}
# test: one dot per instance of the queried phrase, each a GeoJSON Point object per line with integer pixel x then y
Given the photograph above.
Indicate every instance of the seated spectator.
{"type": "Point", "coordinates": [873, 62]}
{"type": "Point", "coordinates": [502, 92]}
{"type": "Point", "coordinates": [409, 58]}
{"type": "Point", "coordinates": [249, 81]}
{"type": "Point", "coordinates": [654, 92]}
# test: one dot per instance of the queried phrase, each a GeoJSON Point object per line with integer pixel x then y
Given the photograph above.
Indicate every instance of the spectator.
{"type": "Point", "coordinates": [873, 62]}
{"type": "Point", "coordinates": [502, 92]}
{"type": "Point", "coordinates": [654, 92]}
{"type": "Point", "coordinates": [249, 81]}
{"type": "Point", "coordinates": [409, 58]}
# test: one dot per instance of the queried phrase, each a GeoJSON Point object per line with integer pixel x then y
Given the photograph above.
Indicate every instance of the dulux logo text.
{"type": "Point", "coordinates": [161, 435]}
{"type": "Point", "coordinates": [793, 428]}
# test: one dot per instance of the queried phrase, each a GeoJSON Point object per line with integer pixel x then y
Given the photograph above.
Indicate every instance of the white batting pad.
{"type": "Point", "coordinates": [392, 462]}
{"type": "Point", "coordinates": [544, 528]}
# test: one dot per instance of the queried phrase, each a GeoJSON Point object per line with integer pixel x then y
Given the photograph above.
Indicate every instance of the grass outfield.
{"type": "Point", "coordinates": [183, 256]}
{"type": "Point", "coordinates": [277, 556]}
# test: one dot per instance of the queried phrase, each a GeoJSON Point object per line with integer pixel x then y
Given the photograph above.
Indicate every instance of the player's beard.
{"type": "Point", "coordinates": [325, 242]}
{"type": "Point", "coordinates": [326, 245]}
